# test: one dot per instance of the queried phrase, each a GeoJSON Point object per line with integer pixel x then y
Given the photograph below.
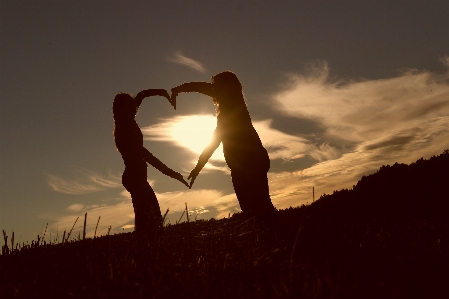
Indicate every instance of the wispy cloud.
{"type": "Point", "coordinates": [365, 110]}
{"type": "Point", "coordinates": [175, 201]}
{"type": "Point", "coordinates": [119, 214]}
{"type": "Point", "coordinates": [85, 182]}
{"type": "Point", "coordinates": [191, 132]}
{"type": "Point", "coordinates": [75, 207]}
{"type": "Point", "coordinates": [295, 188]}
{"type": "Point", "coordinates": [199, 200]}
{"type": "Point", "coordinates": [279, 144]}
{"type": "Point", "coordinates": [392, 120]}
{"type": "Point", "coordinates": [189, 62]}
{"type": "Point", "coordinates": [194, 132]}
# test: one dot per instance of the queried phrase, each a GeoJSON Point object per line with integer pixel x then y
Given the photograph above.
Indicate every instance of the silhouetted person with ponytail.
{"type": "Point", "coordinates": [129, 142]}
{"type": "Point", "coordinates": [244, 153]}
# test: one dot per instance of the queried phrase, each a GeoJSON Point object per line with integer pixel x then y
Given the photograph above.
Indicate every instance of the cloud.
{"type": "Point", "coordinates": [280, 145]}
{"type": "Point", "coordinates": [118, 212]}
{"type": "Point", "coordinates": [75, 207]}
{"type": "Point", "coordinates": [295, 188]}
{"type": "Point", "coordinates": [445, 61]}
{"type": "Point", "coordinates": [193, 64]}
{"type": "Point", "coordinates": [386, 121]}
{"type": "Point", "coordinates": [117, 215]}
{"type": "Point", "coordinates": [175, 201]}
{"type": "Point", "coordinates": [194, 132]}
{"type": "Point", "coordinates": [365, 110]}
{"type": "Point", "coordinates": [226, 205]}
{"type": "Point", "coordinates": [86, 182]}
{"type": "Point", "coordinates": [191, 132]}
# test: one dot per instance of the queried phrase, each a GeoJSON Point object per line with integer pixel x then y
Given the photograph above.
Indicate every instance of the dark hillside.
{"type": "Point", "coordinates": [399, 191]}
{"type": "Point", "coordinates": [391, 229]}
{"type": "Point", "coordinates": [388, 237]}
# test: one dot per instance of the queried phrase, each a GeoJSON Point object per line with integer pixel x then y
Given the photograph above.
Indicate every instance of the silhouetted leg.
{"type": "Point", "coordinates": [154, 208]}
{"type": "Point", "coordinates": [253, 194]}
{"type": "Point", "coordinates": [148, 216]}
{"type": "Point", "coordinates": [141, 212]}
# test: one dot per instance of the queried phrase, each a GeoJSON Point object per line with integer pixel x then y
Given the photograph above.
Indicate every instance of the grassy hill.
{"type": "Point", "coordinates": [387, 237]}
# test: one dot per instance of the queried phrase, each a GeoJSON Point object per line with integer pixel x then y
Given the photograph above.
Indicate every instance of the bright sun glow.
{"type": "Point", "coordinates": [195, 133]}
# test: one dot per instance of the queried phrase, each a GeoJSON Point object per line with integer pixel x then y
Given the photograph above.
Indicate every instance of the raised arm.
{"type": "Point", "coordinates": [204, 157]}
{"type": "Point", "coordinates": [201, 87]}
{"type": "Point", "coordinates": [149, 93]}
{"type": "Point", "coordinates": [156, 163]}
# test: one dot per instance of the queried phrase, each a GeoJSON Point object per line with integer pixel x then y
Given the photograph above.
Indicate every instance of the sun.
{"type": "Point", "coordinates": [195, 133]}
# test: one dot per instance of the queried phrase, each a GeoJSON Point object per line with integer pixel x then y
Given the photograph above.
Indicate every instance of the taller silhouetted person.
{"type": "Point", "coordinates": [244, 153]}
{"type": "Point", "coordinates": [129, 142]}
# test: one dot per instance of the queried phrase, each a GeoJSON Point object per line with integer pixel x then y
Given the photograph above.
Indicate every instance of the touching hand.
{"type": "Point", "coordinates": [174, 94]}
{"type": "Point", "coordinates": [180, 178]}
{"type": "Point", "coordinates": [193, 174]}
{"type": "Point", "coordinates": [165, 94]}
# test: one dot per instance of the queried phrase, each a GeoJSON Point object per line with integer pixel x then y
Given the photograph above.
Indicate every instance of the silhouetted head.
{"type": "Point", "coordinates": [228, 89]}
{"type": "Point", "coordinates": [123, 107]}
{"type": "Point", "coordinates": [227, 82]}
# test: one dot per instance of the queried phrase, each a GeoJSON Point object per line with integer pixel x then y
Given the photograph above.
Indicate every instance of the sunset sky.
{"type": "Point", "coordinates": [335, 90]}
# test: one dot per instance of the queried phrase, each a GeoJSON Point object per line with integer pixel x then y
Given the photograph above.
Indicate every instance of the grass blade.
{"type": "Point", "coordinates": [98, 221]}
{"type": "Point", "coordinates": [84, 228]}
{"type": "Point", "coordinates": [179, 221]}
{"type": "Point", "coordinates": [163, 218]}
{"type": "Point", "coordinates": [70, 232]}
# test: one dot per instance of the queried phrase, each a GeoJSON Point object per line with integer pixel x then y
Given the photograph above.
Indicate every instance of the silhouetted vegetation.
{"type": "Point", "coordinates": [387, 237]}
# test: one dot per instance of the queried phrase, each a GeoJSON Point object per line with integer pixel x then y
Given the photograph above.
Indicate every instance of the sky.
{"type": "Point", "coordinates": [335, 90]}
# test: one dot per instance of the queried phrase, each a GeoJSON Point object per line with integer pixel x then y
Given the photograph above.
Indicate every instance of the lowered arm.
{"type": "Point", "coordinates": [156, 163]}
{"type": "Point", "coordinates": [204, 157]}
